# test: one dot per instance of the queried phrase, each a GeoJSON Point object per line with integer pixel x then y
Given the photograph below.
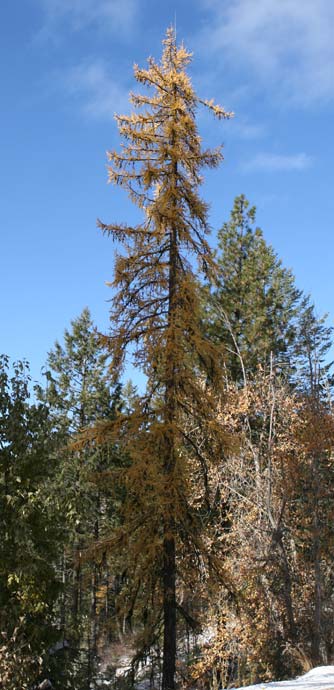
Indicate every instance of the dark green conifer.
{"type": "Point", "coordinates": [253, 311]}
{"type": "Point", "coordinates": [30, 528]}
{"type": "Point", "coordinates": [79, 393]}
{"type": "Point", "coordinates": [78, 383]}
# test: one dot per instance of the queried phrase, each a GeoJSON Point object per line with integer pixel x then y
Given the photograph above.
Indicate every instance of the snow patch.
{"type": "Point", "coordinates": [320, 678]}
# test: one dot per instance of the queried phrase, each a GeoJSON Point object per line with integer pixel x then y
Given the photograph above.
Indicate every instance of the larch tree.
{"type": "Point", "coordinates": [173, 433]}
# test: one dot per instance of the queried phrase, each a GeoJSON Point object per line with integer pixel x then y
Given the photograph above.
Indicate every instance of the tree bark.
{"type": "Point", "coordinates": [169, 547]}
{"type": "Point", "coordinates": [316, 638]}
{"type": "Point", "coordinates": [169, 595]}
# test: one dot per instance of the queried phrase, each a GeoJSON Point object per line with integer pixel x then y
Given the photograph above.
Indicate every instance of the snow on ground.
{"type": "Point", "coordinates": [320, 678]}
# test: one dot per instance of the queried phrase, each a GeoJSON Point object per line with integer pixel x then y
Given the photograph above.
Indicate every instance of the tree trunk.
{"type": "Point", "coordinates": [287, 592]}
{"type": "Point", "coordinates": [95, 584]}
{"type": "Point", "coordinates": [169, 648]}
{"type": "Point", "coordinates": [77, 595]}
{"type": "Point", "coordinates": [316, 638]}
{"type": "Point", "coordinates": [169, 556]}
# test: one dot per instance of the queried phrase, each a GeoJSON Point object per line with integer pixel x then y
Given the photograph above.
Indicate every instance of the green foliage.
{"type": "Point", "coordinates": [78, 393]}
{"type": "Point", "coordinates": [78, 389]}
{"type": "Point", "coordinates": [29, 517]}
{"type": "Point", "coordinates": [314, 339]}
{"type": "Point", "coordinates": [19, 665]}
{"type": "Point", "coordinates": [253, 312]}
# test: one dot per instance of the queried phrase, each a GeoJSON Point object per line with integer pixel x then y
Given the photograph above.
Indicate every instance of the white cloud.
{"type": "Point", "coordinates": [272, 162]}
{"type": "Point", "coordinates": [288, 44]}
{"type": "Point", "coordinates": [110, 15]}
{"type": "Point", "coordinates": [245, 129]}
{"type": "Point", "coordinates": [100, 94]}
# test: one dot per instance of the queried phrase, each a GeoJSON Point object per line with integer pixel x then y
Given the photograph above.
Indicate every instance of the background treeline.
{"type": "Point", "coordinates": [71, 608]}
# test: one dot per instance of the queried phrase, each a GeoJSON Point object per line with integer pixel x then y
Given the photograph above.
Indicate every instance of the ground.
{"type": "Point", "coordinates": [320, 678]}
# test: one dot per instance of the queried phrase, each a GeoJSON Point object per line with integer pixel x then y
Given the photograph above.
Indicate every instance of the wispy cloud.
{"type": "Point", "coordinates": [245, 129]}
{"type": "Point", "coordinates": [288, 44]}
{"type": "Point", "coordinates": [110, 15]}
{"type": "Point", "coordinates": [272, 162]}
{"type": "Point", "coordinates": [99, 93]}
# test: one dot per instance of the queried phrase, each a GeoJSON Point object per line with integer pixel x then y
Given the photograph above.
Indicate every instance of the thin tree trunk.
{"type": "Point", "coordinates": [169, 555]}
{"type": "Point", "coordinates": [63, 594]}
{"type": "Point", "coordinates": [95, 584]}
{"type": "Point", "coordinates": [287, 592]}
{"type": "Point", "coordinates": [76, 599]}
{"type": "Point", "coordinates": [316, 640]}
{"type": "Point", "coordinates": [169, 648]}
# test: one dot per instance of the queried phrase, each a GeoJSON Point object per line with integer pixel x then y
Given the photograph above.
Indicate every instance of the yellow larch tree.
{"type": "Point", "coordinates": [173, 434]}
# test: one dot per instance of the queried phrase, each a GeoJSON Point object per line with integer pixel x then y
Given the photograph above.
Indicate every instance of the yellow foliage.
{"type": "Point", "coordinates": [173, 438]}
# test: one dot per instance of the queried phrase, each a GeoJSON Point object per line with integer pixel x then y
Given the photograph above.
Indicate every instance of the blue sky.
{"type": "Point", "coordinates": [66, 68]}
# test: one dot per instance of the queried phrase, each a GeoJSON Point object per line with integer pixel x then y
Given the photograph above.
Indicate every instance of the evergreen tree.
{"type": "Point", "coordinates": [253, 312]}
{"type": "Point", "coordinates": [78, 390]}
{"type": "Point", "coordinates": [78, 393]}
{"type": "Point", "coordinates": [31, 531]}
{"type": "Point", "coordinates": [173, 432]}
{"type": "Point", "coordinates": [313, 342]}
